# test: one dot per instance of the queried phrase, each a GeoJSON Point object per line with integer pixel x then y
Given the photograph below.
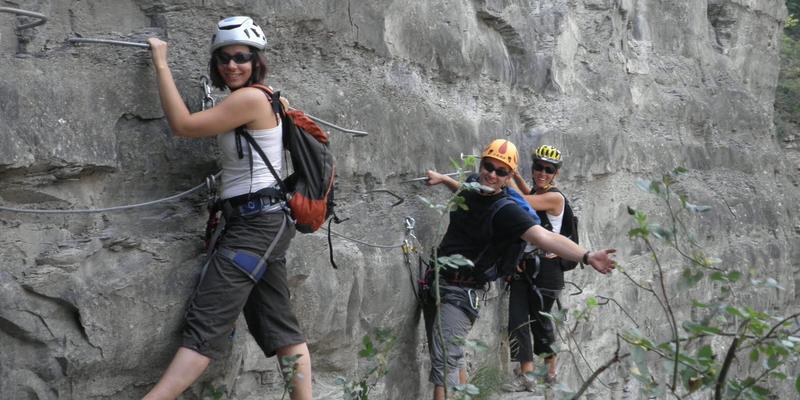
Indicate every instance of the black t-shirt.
{"type": "Point", "coordinates": [465, 234]}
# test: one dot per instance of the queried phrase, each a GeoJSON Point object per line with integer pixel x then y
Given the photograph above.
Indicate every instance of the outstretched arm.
{"type": "Point", "coordinates": [435, 178]}
{"type": "Point", "coordinates": [240, 108]}
{"type": "Point", "coordinates": [567, 249]}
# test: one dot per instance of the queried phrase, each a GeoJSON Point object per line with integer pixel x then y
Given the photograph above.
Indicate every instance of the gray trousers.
{"type": "Point", "coordinates": [457, 316]}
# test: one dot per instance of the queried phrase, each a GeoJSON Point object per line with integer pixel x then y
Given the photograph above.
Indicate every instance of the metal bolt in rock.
{"type": "Point", "coordinates": [42, 18]}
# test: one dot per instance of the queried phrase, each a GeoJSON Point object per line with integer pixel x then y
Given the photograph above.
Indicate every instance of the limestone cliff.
{"type": "Point", "coordinates": [91, 304]}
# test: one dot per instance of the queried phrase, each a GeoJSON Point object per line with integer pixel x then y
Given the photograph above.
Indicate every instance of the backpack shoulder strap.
{"type": "Point", "coordinates": [487, 226]}
{"type": "Point", "coordinates": [246, 135]}
{"type": "Point", "coordinates": [273, 97]}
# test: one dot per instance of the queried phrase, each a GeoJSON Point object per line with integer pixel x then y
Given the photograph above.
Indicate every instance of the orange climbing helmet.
{"type": "Point", "coordinates": [503, 150]}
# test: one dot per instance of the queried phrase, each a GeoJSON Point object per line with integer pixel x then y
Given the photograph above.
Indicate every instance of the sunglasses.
{"type": "Point", "coordinates": [546, 168]}
{"type": "Point", "coordinates": [238, 58]}
{"type": "Point", "coordinates": [489, 167]}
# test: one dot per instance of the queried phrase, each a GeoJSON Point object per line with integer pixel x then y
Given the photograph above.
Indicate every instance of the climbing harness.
{"type": "Point", "coordinates": [208, 101]}
{"type": "Point", "coordinates": [41, 17]}
{"type": "Point", "coordinates": [107, 209]}
{"type": "Point", "coordinates": [252, 264]}
{"type": "Point", "coordinates": [76, 40]}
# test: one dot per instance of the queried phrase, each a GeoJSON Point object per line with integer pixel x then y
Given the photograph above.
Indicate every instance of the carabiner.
{"type": "Point", "coordinates": [207, 99]}
{"type": "Point", "coordinates": [474, 303]}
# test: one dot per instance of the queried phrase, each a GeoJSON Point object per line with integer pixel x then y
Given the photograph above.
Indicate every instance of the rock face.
{"type": "Point", "coordinates": [92, 303]}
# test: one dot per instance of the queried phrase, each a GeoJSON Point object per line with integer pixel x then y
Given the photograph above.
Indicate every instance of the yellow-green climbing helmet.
{"type": "Point", "coordinates": [548, 154]}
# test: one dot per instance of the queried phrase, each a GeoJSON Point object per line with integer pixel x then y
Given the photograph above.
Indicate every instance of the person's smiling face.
{"type": "Point", "coordinates": [494, 173]}
{"type": "Point", "coordinates": [235, 65]}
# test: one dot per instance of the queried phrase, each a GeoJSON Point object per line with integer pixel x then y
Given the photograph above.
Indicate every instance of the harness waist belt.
{"type": "Point", "coordinates": [250, 204]}
{"type": "Point", "coordinates": [268, 192]}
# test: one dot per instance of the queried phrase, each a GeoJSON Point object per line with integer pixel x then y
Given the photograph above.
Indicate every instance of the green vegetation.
{"type": "Point", "coordinates": [726, 347]}
{"type": "Point", "coordinates": [787, 93]}
{"type": "Point", "coordinates": [375, 350]}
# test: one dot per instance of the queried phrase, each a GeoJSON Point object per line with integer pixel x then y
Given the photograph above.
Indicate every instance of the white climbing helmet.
{"type": "Point", "coordinates": [238, 30]}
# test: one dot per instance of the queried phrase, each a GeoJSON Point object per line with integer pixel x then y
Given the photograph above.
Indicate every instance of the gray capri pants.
{"type": "Point", "coordinates": [457, 317]}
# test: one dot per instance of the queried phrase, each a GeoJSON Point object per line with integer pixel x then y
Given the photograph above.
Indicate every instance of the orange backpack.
{"type": "Point", "coordinates": [309, 189]}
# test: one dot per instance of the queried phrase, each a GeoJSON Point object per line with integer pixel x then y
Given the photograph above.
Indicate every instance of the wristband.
{"type": "Point", "coordinates": [585, 258]}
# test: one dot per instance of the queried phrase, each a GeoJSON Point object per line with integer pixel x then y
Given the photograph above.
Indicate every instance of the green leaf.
{"type": "Point", "coordinates": [640, 361]}
{"type": "Point", "coordinates": [591, 302]}
{"type": "Point", "coordinates": [698, 304]}
{"type": "Point", "coordinates": [679, 171]}
{"type": "Point", "coordinates": [772, 283]}
{"type": "Point", "coordinates": [472, 390]}
{"type": "Point", "coordinates": [655, 187]}
{"type": "Point", "coordinates": [797, 384]}
{"type": "Point", "coordinates": [778, 375]}
{"type": "Point", "coordinates": [707, 261]}
{"type": "Point", "coordinates": [700, 329]}
{"type": "Point", "coordinates": [754, 354]}
{"type": "Point", "coordinates": [705, 352]}
{"type": "Point", "coordinates": [368, 349]}
{"type": "Point", "coordinates": [660, 232]}
{"type": "Point", "coordinates": [638, 232]}
{"type": "Point", "coordinates": [772, 362]}
{"type": "Point", "coordinates": [734, 276]}
{"type": "Point", "coordinates": [470, 161]}
{"type": "Point", "coordinates": [734, 311]}
{"type": "Point", "coordinates": [689, 278]}
{"type": "Point", "coordinates": [455, 261]}
{"type": "Point", "coordinates": [760, 390]}
{"type": "Point", "coordinates": [476, 345]}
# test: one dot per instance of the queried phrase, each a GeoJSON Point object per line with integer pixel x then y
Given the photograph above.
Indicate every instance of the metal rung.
{"type": "Point", "coordinates": [42, 17]}
{"type": "Point", "coordinates": [108, 41]}
{"type": "Point", "coordinates": [354, 132]}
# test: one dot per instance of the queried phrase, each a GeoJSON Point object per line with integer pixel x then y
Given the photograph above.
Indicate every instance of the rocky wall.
{"type": "Point", "coordinates": [92, 302]}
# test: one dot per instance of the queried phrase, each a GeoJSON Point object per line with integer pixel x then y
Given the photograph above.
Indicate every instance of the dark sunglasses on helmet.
{"type": "Point", "coordinates": [238, 58]}
{"type": "Point", "coordinates": [546, 168]}
{"type": "Point", "coordinates": [489, 167]}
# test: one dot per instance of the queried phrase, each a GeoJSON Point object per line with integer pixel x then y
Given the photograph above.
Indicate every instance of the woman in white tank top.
{"type": "Point", "coordinates": [235, 279]}
{"type": "Point", "coordinates": [525, 303]}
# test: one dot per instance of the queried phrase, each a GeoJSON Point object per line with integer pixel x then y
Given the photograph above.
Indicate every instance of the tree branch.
{"type": "Point", "coordinates": [617, 358]}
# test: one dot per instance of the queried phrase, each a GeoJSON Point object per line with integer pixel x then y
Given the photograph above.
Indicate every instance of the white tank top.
{"type": "Point", "coordinates": [555, 221]}
{"type": "Point", "coordinates": [236, 178]}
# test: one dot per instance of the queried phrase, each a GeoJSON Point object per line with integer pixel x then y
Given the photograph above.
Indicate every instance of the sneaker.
{"type": "Point", "coordinates": [520, 383]}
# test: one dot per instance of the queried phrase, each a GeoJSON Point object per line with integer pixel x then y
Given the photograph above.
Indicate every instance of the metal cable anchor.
{"type": "Point", "coordinates": [408, 245]}
{"type": "Point", "coordinates": [397, 203]}
{"type": "Point", "coordinates": [75, 40]}
{"type": "Point", "coordinates": [353, 132]}
{"type": "Point", "coordinates": [41, 21]}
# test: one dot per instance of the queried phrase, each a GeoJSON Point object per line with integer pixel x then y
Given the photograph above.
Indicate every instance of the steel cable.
{"type": "Point", "coordinates": [107, 209]}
